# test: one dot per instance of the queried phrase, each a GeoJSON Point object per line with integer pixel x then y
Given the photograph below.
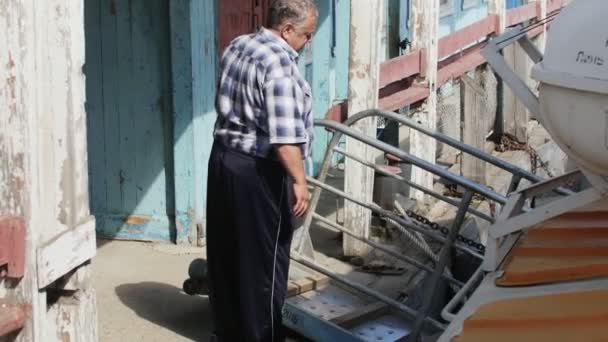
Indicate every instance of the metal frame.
{"type": "Point", "coordinates": [513, 219]}
{"type": "Point", "coordinates": [304, 250]}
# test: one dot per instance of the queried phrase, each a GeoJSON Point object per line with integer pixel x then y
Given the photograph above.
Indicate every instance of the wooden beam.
{"type": "Point", "coordinates": [408, 95]}
{"type": "Point", "coordinates": [467, 36]}
{"type": "Point", "coordinates": [399, 68]}
{"type": "Point", "coordinates": [364, 70]}
{"type": "Point", "coordinates": [554, 5]}
{"type": "Point", "coordinates": [66, 252]}
{"type": "Point", "coordinates": [470, 59]}
{"type": "Point", "coordinates": [523, 13]}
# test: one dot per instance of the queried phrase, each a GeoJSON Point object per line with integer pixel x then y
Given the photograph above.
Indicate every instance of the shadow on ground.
{"type": "Point", "coordinates": [168, 307]}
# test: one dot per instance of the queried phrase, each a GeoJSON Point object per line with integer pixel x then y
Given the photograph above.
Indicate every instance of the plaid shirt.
{"type": "Point", "coordinates": [262, 98]}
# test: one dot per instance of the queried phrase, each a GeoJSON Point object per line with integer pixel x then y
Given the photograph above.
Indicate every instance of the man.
{"type": "Point", "coordinates": [257, 182]}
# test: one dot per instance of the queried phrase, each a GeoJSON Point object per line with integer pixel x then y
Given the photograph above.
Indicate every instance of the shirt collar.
{"type": "Point", "coordinates": [282, 43]}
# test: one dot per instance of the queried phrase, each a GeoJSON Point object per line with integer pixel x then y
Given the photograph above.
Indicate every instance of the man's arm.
{"type": "Point", "coordinates": [291, 158]}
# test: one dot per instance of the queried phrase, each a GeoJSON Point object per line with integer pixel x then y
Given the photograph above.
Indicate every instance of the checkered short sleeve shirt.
{"type": "Point", "coordinates": [262, 99]}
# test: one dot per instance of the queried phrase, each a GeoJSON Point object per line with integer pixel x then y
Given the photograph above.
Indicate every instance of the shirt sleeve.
{"type": "Point", "coordinates": [284, 105]}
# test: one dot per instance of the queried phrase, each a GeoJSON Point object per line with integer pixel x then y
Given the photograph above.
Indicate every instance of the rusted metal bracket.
{"type": "Point", "coordinates": [12, 246]}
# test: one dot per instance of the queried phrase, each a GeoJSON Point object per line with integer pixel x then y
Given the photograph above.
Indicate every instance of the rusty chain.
{"type": "Point", "coordinates": [445, 230]}
{"type": "Point", "coordinates": [510, 143]}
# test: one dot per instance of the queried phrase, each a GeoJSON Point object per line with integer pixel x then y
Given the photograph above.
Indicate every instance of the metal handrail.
{"type": "Point", "coordinates": [421, 163]}
{"type": "Point", "coordinates": [446, 140]}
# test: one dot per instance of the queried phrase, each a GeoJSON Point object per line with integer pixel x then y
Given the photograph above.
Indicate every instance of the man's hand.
{"type": "Point", "coordinates": [291, 158]}
{"type": "Point", "coordinates": [301, 199]}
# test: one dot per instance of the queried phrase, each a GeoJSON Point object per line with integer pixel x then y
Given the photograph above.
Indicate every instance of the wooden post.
{"type": "Point", "coordinates": [499, 7]}
{"type": "Point", "coordinates": [362, 94]}
{"type": "Point", "coordinates": [43, 143]}
{"type": "Point", "coordinates": [474, 127]}
{"type": "Point", "coordinates": [424, 22]}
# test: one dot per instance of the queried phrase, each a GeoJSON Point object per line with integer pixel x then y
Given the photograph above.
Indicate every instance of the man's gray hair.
{"type": "Point", "coordinates": [293, 11]}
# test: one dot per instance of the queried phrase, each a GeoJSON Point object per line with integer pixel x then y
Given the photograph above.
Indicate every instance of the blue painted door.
{"type": "Point", "coordinates": [128, 70]}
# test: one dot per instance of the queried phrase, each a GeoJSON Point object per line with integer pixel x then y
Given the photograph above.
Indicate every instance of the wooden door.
{"type": "Point", "coordinates": [237, 17]}
{"type": "Point", "coordinates": [130, 137]}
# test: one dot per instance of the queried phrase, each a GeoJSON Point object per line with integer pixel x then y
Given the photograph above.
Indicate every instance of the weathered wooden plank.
{"type": "Point", "coordinates": [472, 102]}
{"type": "Point", "coordinates": [363, 94]}
{"type": "Point", "coordinates": [66, 252]}
{"type": "Point", "coordinates": [424, 19]}
{"type": "Point", "coordinates": [70, 318]}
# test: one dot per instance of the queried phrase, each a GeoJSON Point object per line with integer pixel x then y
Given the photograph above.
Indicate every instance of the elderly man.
{"type": "Point", "coordinates": [257, 183]}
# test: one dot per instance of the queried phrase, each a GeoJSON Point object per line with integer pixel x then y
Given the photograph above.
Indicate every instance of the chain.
{"type": "Point", "coordinates": [510, 143]}
{"type": "Point", "coordinates": [445, 230]}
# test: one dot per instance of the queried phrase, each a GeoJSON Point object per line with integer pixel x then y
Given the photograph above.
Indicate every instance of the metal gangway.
{"type": "Point", "coordinates": [383, 318]}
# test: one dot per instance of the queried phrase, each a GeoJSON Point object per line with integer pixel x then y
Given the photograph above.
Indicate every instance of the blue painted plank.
{"type": "Point", "coordinates": [142, 228]}
{"type": "Point", "coordinates": [514, 3]}
{"type": "Point", "coordinates": [205, 64]}
{"type": "Point", "coordinates": [94, 107]}
{"type": "Point", "coordinates": [125, 105]}
{"type": "Point", "coordinates": [183, 149]}
{"type": "Point", "coordinates": [321, 51]}
{"type": "Point", "coordinates": [150, 99]}
{"type": "Point", "coordinates": [111, 89]}
{"type": "Point", "coordinates": [404, 20]}
{"type": "Point", "coordinates": [342, 48]}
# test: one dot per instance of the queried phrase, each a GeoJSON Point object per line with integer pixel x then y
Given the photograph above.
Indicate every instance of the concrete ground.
{"type": "Point", "coordinates": [139, 293]}
{"type": "Point", "coordinates": [140, 297]}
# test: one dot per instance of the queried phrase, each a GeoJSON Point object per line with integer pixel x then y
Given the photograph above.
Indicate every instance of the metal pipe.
{"type": "Point", "coordinates": [446, 312]}
{"type": "Point", "coordinates": [358, 287]}
{"type": "Point", "coordinates": [375, 208]}
{"type": "Point", "coordinates": [443, 260]}
{"type": "Point", "coordinates": [421, 163]}
{"type": "Point", "coordinates": [446, 140]}
{"type": "Point", "coordinates": [414, 185]}
{"type": "Point", "coordinates": [388, 251]}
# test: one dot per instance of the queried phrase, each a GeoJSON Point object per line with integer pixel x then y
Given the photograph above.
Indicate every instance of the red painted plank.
{"type": "Point", "coordinates": [466, 36]}
{"type": "Point", "coordinates": [12, 245]}
{"type": "Point", "coordinates": [522, 13]}
{"type": "Point", "coordinates": [400, 67]}
{"type": "Point", "coordinates": [554, 5]}
{"type": "Point", "coordinates": [407, 96]}
{"type": "Point", "coordinates": [535, 32]}
{"type": "Point", "coordinates": [458, 67]}
{"type": "Point", "coordinates": [12, 317]}
{"type": "Point", "coordinates": [338, 112]}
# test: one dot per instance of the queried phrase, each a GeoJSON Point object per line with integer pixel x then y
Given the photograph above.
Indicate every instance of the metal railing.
{"type": "Point", "coordinates": [420, 318]}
